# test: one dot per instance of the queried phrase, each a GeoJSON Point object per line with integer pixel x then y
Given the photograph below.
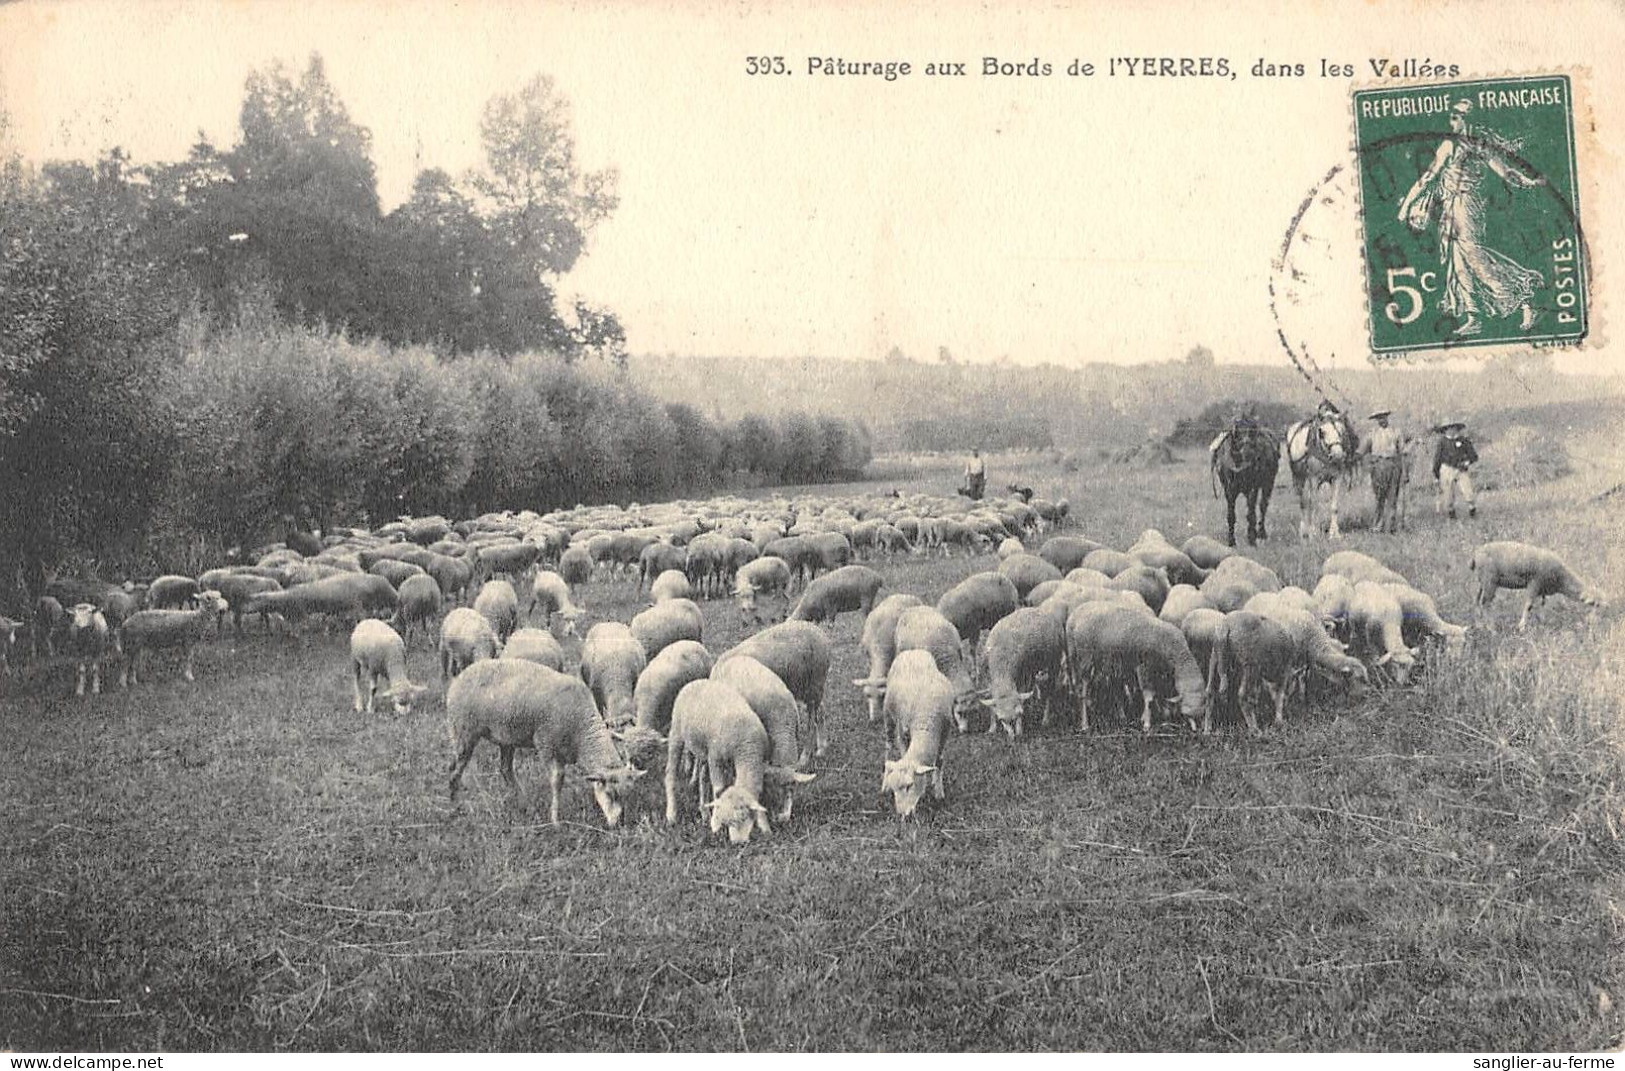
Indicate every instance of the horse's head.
{"type": "Point", "coordinates": [1248, 446]}
{"type": "Point", "coordinates": [1337, 438]}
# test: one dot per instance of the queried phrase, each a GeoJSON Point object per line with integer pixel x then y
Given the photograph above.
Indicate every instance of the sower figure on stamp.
{"type": "Point", "coordinates": [1452, 459]}
{"type": "Point", "coordinates": [1478, 281]}
{"type": "Point", "coordinates": [1386, 449]}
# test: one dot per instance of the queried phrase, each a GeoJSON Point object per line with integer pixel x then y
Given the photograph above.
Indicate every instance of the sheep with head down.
{"type": "Point", "coordinates": [880, 643]}
{"type": "Point", "coordinates": [919, 708]}
{"type": "Point", "coordinates": [1536, 571]}
{"type": "Point", "coordinates": [714, 732]}
{"type": "Point", "coordinates": [377, 655]}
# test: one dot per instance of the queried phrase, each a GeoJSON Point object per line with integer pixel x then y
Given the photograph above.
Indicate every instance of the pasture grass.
{"type": "Point", "coordinates": [246, 864]}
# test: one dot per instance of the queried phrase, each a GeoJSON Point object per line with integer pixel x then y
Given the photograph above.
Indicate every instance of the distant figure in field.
{"type": "Point", "coordinates": [1385, 446]}
{"type": "Point", "coordinates": [975, 476]}
{"type": "Point", "coordinates": [1453, 459]}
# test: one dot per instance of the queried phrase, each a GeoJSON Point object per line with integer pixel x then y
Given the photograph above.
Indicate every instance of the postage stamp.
{"type": "Point", "coordinates": [1471, 215]}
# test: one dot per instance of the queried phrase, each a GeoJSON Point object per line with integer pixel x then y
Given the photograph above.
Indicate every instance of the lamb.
{"type": "Point", "coordinates": [171, 592]}
{"type": "Point", "coordinates": [1421, 619]}
{"type": "Point", "coordinates": [1103, 639]}
{"type": "Point", "coordinates": [1538, 571]}
{"type": "Point", "coordinates": [466, 637]}
{"type": "Point", "coordinates": [1250, 654]}
{"type": "Point", "coordinates": [418, 605]}
{"type": "Point", "coordinates": [499, 604]}
{"type": "Point", "coordinates": [799, 653]}
{"type": "Point", "coordinates": [377, 653]}
{"type": "Point", "coordinates": [713, 725]}
{"type": "Point", "coordinates": [535, 645]}
{"type": "Point", "coordinates": [919, 706]}
{"type": "Point", "coordinates": [767, 575]}
{"type": "Point", "coordinates": [924, 628]}
{"type": "Point", "coordinates": [1067, 552]}
{"type": "Point", "coordinates": [88, 641]}
{"type": "Point", "coordinates": [1181, 600]}
{"type": "Point", "coordinates": [1027, 571]}
{"type": "Point", "coordinates": [879, 642]}
{"type": "Point", "coordinates": [851, 587]}
{"type": "Point", "coordinates": [154, 629]}
{"type": "Point", "coordinates": [1376, 620]}
{"type": "Point", "coordinates": [551, 592]}
{"type": "Point", "coordinates": [656, 689]}
{"type": "Point", "coordinates": [976, 604]}
{"type": "Point", "coordinates": [667, 622]}
{"type": "Point", "coordinates": [1023, 650]}
{"type": "Point", "coordinates": [671, 584]}
{"type": "Point", "coordinates": [514, 704]}
{"type": "Point", "coordinates": [611, 659]}
{"type": "Point", "coordinates": [776, 707]}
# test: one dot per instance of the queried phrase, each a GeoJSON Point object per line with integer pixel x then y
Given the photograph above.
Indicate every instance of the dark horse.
{"type": "Point", "coordinates": [1246, 460]}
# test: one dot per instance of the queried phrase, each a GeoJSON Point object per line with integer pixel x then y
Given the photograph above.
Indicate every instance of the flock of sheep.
{"type": "Point", "coordinates": [1074, 630]}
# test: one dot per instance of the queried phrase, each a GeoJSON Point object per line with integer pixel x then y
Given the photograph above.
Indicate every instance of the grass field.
{"type": "Point", "coordinates": [244, 863]}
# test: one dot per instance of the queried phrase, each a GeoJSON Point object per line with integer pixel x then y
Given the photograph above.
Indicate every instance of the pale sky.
{"type": "Point", "coordinates": [1060, 218]}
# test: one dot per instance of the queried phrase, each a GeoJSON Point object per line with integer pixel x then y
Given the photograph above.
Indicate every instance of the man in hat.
{"type": "Point", "coordinates": [1452, 460]}
{"type": "Point", "coordinates": [1386, 448]}
{"type": "Point", "coordinates": [975, 475]}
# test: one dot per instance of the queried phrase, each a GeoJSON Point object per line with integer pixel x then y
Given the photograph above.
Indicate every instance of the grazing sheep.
{"type": "Point", "coordinates": [514, 704]}
{"type": "Point", "coordinates": [88, 640]}
{"type": "Point", "coordinates": [879, 642]}
{"type": "Point", "coordinates": [1151, 584]}
{"type": "Point", "coordinates": [1314, 648]}
{"type": "Point", "coordinates": [378, 654]}
{"type": "Point", "coordinates": [924, 628]}
{"type": "Point", "coordinates": [239, 591]}
{"type": "Point", "coordinates": [1108, 561]}
{"type": "Point", "coordinates": [1332, 596]}
{"type": "Point", "coordinates": [1106, 641]}
{"type": "Point", "coordinates": [1206, 551]}
{"type": "Point", "coordinates": [466, 637]}
{"type": "Point", "coordinates": [712, 726]}
{"type": "Point", "coordinates": [171, 592]}
{"type": "Point", "coordinates": [741, 552]}
{"type": "Point", "coordinates": [976, 604]}
{"type": "Point", "coordinates": [654, 693]}
{"type": "Point", "coordinates": [658, 559]}
{"type": "Point", "coordinates": [850, 587]}
{"type": "Point", "coordinates": [705, 563]}
{"type": "Point", "coordinates": [1227, 593]}
{"type": "Point", "coordinates": [391, 569]}
{"type": "Point", "coordinates": [667, 622]}
{"type": "Point", "coordinates": [776, 707]}
{"type": "Point", "coordinates": [1176, 565]}
{"type": "Point", "coordinates": [1240, 567]}
{"type": "Point", "coordinates": [671, 584]}
{"type": "Point", "coordinates": [797, 553]}
{"type": "Point", "coordinates": [550, 591]}
{"type": "Point", "coordinates": [418, 606]}
{"type": "Point", "coordinates": [1087, 578]}
{"type": "Point", "coordinates": [350, 596]}
{"type": "Point", "coordinates": [1251, 654]}
{"type": "Point", "coordinates": [1067, 553]}
{"type": "Point", "coordinates": [575, 566]}
{"type": "Point", "coordinates": [1538, 571]}
{"type": "Point", "coordinates": [834, 550]}
{"type": "Point", "coordinates": [1421, 619]}
{"type": "Point", "coordinates": [1377, 623]}
{"type": "Point", "coordinates": [499, 604]}
{"type": "Point", "coordinates": [767, 575]}
{"type": "Point", "coordinates": [535, 645]}
{"type": "Point", "coordinates": [799, 653]}
{"type": "Point", "coordinates": [1010, 548]}
{"type": "Point", "coordinates": [152, 630]}
{"type": "Point", "coordinates": [1181, 600]}
{"type": "Point", "coordinates": [1037, 596]}
{"type": "Point", "coordinates": [1357, 566]}
{"type": "Point", "coordinates": [918, 709]}
{"type": "Point", "coordinates": [1027, 571]}
{"type": "Point", "coordinates": [611, 659]}
{"type": "Point", "coordinates": [1200, 628]}
{"type": "Point", "coordinates": [509, 559]}
{"type": "Point", "coordinates": [1024, 651]}
{"type": "Point", "coordinates": [454, 575]}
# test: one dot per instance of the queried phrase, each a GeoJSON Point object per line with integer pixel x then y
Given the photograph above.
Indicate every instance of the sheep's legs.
{"type": "Point", "coordinates": [507, 765]}
{"type": "Point", "coordinates": [555, 783]}
{"type": "Point", "coordinates": [460, 762]}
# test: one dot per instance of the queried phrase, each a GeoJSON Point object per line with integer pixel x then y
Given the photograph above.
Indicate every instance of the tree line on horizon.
{"type": "Point", "coordinates": [191, 351]}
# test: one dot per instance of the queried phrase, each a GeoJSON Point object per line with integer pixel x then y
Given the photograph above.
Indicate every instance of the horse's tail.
{"type": "Point", "coordinates": [1213, 471]}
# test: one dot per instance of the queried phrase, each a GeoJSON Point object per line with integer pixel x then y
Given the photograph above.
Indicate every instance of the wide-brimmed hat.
{"type": "Point", "coordinates": [1448, 424]}
{"type": "Point", "coordinates": [1378, 414]}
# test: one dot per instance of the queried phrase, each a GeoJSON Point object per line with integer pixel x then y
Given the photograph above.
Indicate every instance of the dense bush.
{"type": "Point", "coordinates": [1200, 429]}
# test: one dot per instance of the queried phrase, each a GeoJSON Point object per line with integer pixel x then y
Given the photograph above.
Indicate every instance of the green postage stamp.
{"type": "Point", "coordinates": [1471, 211]}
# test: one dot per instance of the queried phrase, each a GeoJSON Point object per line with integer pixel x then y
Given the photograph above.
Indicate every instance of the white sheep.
{"type": "Point", "coordinates": [976, 604]}
{"type": "Point", "coordinates": [656, 690]}
{"type": "Point", "coordinates": [850, 587]}
{"type": "Point", "coordinates": [664, 623]}
{"type": "Point", "coordinates": [799, 654]}
{"type": "Point", "coordinates": [514, 704]}
{"type": "Point", "coordinates": [535, 645]}
{"type": "Point", "coordinates": [767, 575]}
{"type": "Point", "coordinates": [774, 704]}
{"type": "Point", "coordinates": [1421, 619]}
{"type": "Point", "coordinates": [1332, 595]}
{"type": "Point", "coordinates": [88, 641]}
{"type": "Point", "coordinates": [499, 603]}
{"type": "Point", "coordinates": [466, 637]}
{"type": "Point", "coordinates": [1377, 623]}
{"type": "Point", "coordinates": [879, 642]}
{"type": "Point", "coordinates": [713, 726]}
{"type": "Point", "coordinates": [1181, 600]}
{"type": "Point", "coordinates": [611, 659]}
{"type": "Point", "coordinates": [1024, 651]}
{"type": "Point", "coordinates": [378, 654]}
{"type": "Point", "coordinates": [924, 628]}
{"type": "Point", "coordinates": [1357, 567]}
{"type": "Point", "coordinates": [1104, 639]}
{"type": "Point", "coordinates": [151, 630]}
{"type": "Point", "coordinates": [671, 584]}
{"type": "Point", "coordinates": [1538, 571]}
{"type": "Point", "coordinates": [549, 591]}
{"type": "Point", "coordinates": [919, 708]}
{"type": "Point", "coordinates": [420, 601]}
{"type": "Point", "coordinates": [1251, 654]}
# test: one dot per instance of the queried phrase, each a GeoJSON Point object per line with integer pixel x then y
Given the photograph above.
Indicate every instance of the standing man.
{"type": "Point", "coordinates": [1452, 459]}
{"type": "Point", "coordinates": [975, 476]}
{"type": "Point", "coordinates": [1387, 450]}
